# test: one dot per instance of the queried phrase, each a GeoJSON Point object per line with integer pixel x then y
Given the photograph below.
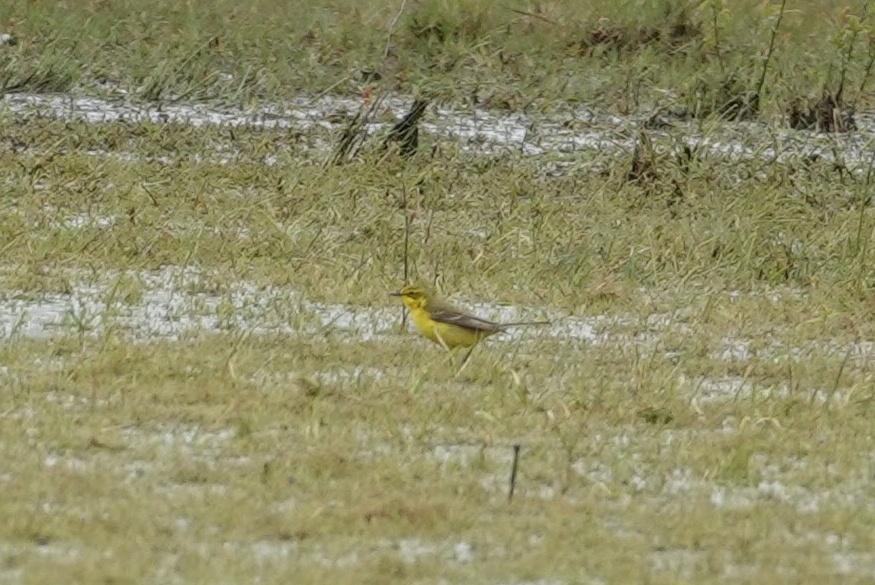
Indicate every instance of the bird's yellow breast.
{"type": "Point", "coordinates": [443, 333]}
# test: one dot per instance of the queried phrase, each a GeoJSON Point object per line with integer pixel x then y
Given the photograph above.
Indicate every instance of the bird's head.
{"type": "Point", "coordinates": [412, 295]}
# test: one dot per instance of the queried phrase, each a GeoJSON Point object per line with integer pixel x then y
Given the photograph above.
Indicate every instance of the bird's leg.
{"type": "Point", "coordinates": [451, 354]}
{"type": "Point", "coordinates": [444, 345]}
{"type": "Point", "coordinates": [465, 359]}
{"type": "Point", "coordinates": [441, 340]}
{"type": "Point", "coordinates": [468, 354]}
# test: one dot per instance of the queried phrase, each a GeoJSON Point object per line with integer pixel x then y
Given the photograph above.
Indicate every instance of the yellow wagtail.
{"type": "Point", "coordinates": [446, 325]}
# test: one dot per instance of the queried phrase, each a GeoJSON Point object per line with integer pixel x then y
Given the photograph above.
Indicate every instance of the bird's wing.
{"type": "Point", "coordinates": [453, 316]}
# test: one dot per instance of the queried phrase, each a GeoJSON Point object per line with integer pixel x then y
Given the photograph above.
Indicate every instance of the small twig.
{"type": "Point", "coordinates": [328, 90]}
{"type": "Point", "coordinates": [428, 223]}
{"type": "Point", "coordinates": [12, 241]}
{"type": "Point", "coordinates": [513, 470]}
{"type": "Point", "coordinates": [529, 129]}
{"type": "Point", "coordinates": [835, 385]}
{"type": "Point", "coordinates": [869, 170]}
{"type": "Point", "coordinates": [757, 96]}
{"type": "Point", "coordinates": [151, 196]}
{"type": "Point", "coordinates": [392, 28]}
{"type": "Point", "coordinates": [406, 248]}
{"type": "Point", "coordinates": [869, 64]}
{"type": "Point", "coordinates": [532, 15]}
{"type": "Point", "coordinates": [235, 349]}
{"type": "Point", "coordinates": [312, 242]}
{"type": "Point", "coordinates": [355, 132]}
{"type": "Point", "coordinates": [846, 61]}
{"type": "Point", "coordinates": [862, 243]}
{"type": "Point", "coordinates": [715, 14]}
{"type": "Point", "coordinates": [406, 232]}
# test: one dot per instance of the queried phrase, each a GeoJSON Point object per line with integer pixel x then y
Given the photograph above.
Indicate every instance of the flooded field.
{"type": "Point", "coordinates": [555, 137]}
{"type": "Point", "coordinates": [203, 378]}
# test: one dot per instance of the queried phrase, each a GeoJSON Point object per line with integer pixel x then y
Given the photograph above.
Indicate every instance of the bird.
{"type": "Point", "coordinates": [444, 324]}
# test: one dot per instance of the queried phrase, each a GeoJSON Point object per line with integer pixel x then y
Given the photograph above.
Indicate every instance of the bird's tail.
{"type": "Point", "coordinates": [524, 323]}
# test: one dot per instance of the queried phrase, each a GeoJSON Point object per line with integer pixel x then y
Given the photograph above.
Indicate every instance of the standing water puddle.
{"type": "Point", "coordinates": [480, 131]}
{"type": "Point", "coordinates": [174, 301]}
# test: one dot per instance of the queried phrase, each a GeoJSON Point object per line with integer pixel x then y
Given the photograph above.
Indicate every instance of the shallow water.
{"type": "Point", "coordinates": [555, 137]}
{"type": "Point", "coordinates": [167, 304]}
{"type": "Point", "coordinates": [176, 302]}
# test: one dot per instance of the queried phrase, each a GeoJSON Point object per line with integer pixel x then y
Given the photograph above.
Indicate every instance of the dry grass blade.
{"type": "Point", "coordinates": [355, 132]}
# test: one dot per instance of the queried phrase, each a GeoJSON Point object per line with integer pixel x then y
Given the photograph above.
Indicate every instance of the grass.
{"type": "Point", "coordinates": [525, 55]}
{"type": "Point", "coordinates": [181, 464]}
{"type": "Point", "coordinates": [205, 381]}
{"type": "Point", "coordinates": [344, 225]}
{"type": "Point", "coordinates": [700, 411]}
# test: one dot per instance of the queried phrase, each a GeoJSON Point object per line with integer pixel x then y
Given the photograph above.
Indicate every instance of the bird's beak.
{"type": "Point", "coordinates": [395, 294]}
